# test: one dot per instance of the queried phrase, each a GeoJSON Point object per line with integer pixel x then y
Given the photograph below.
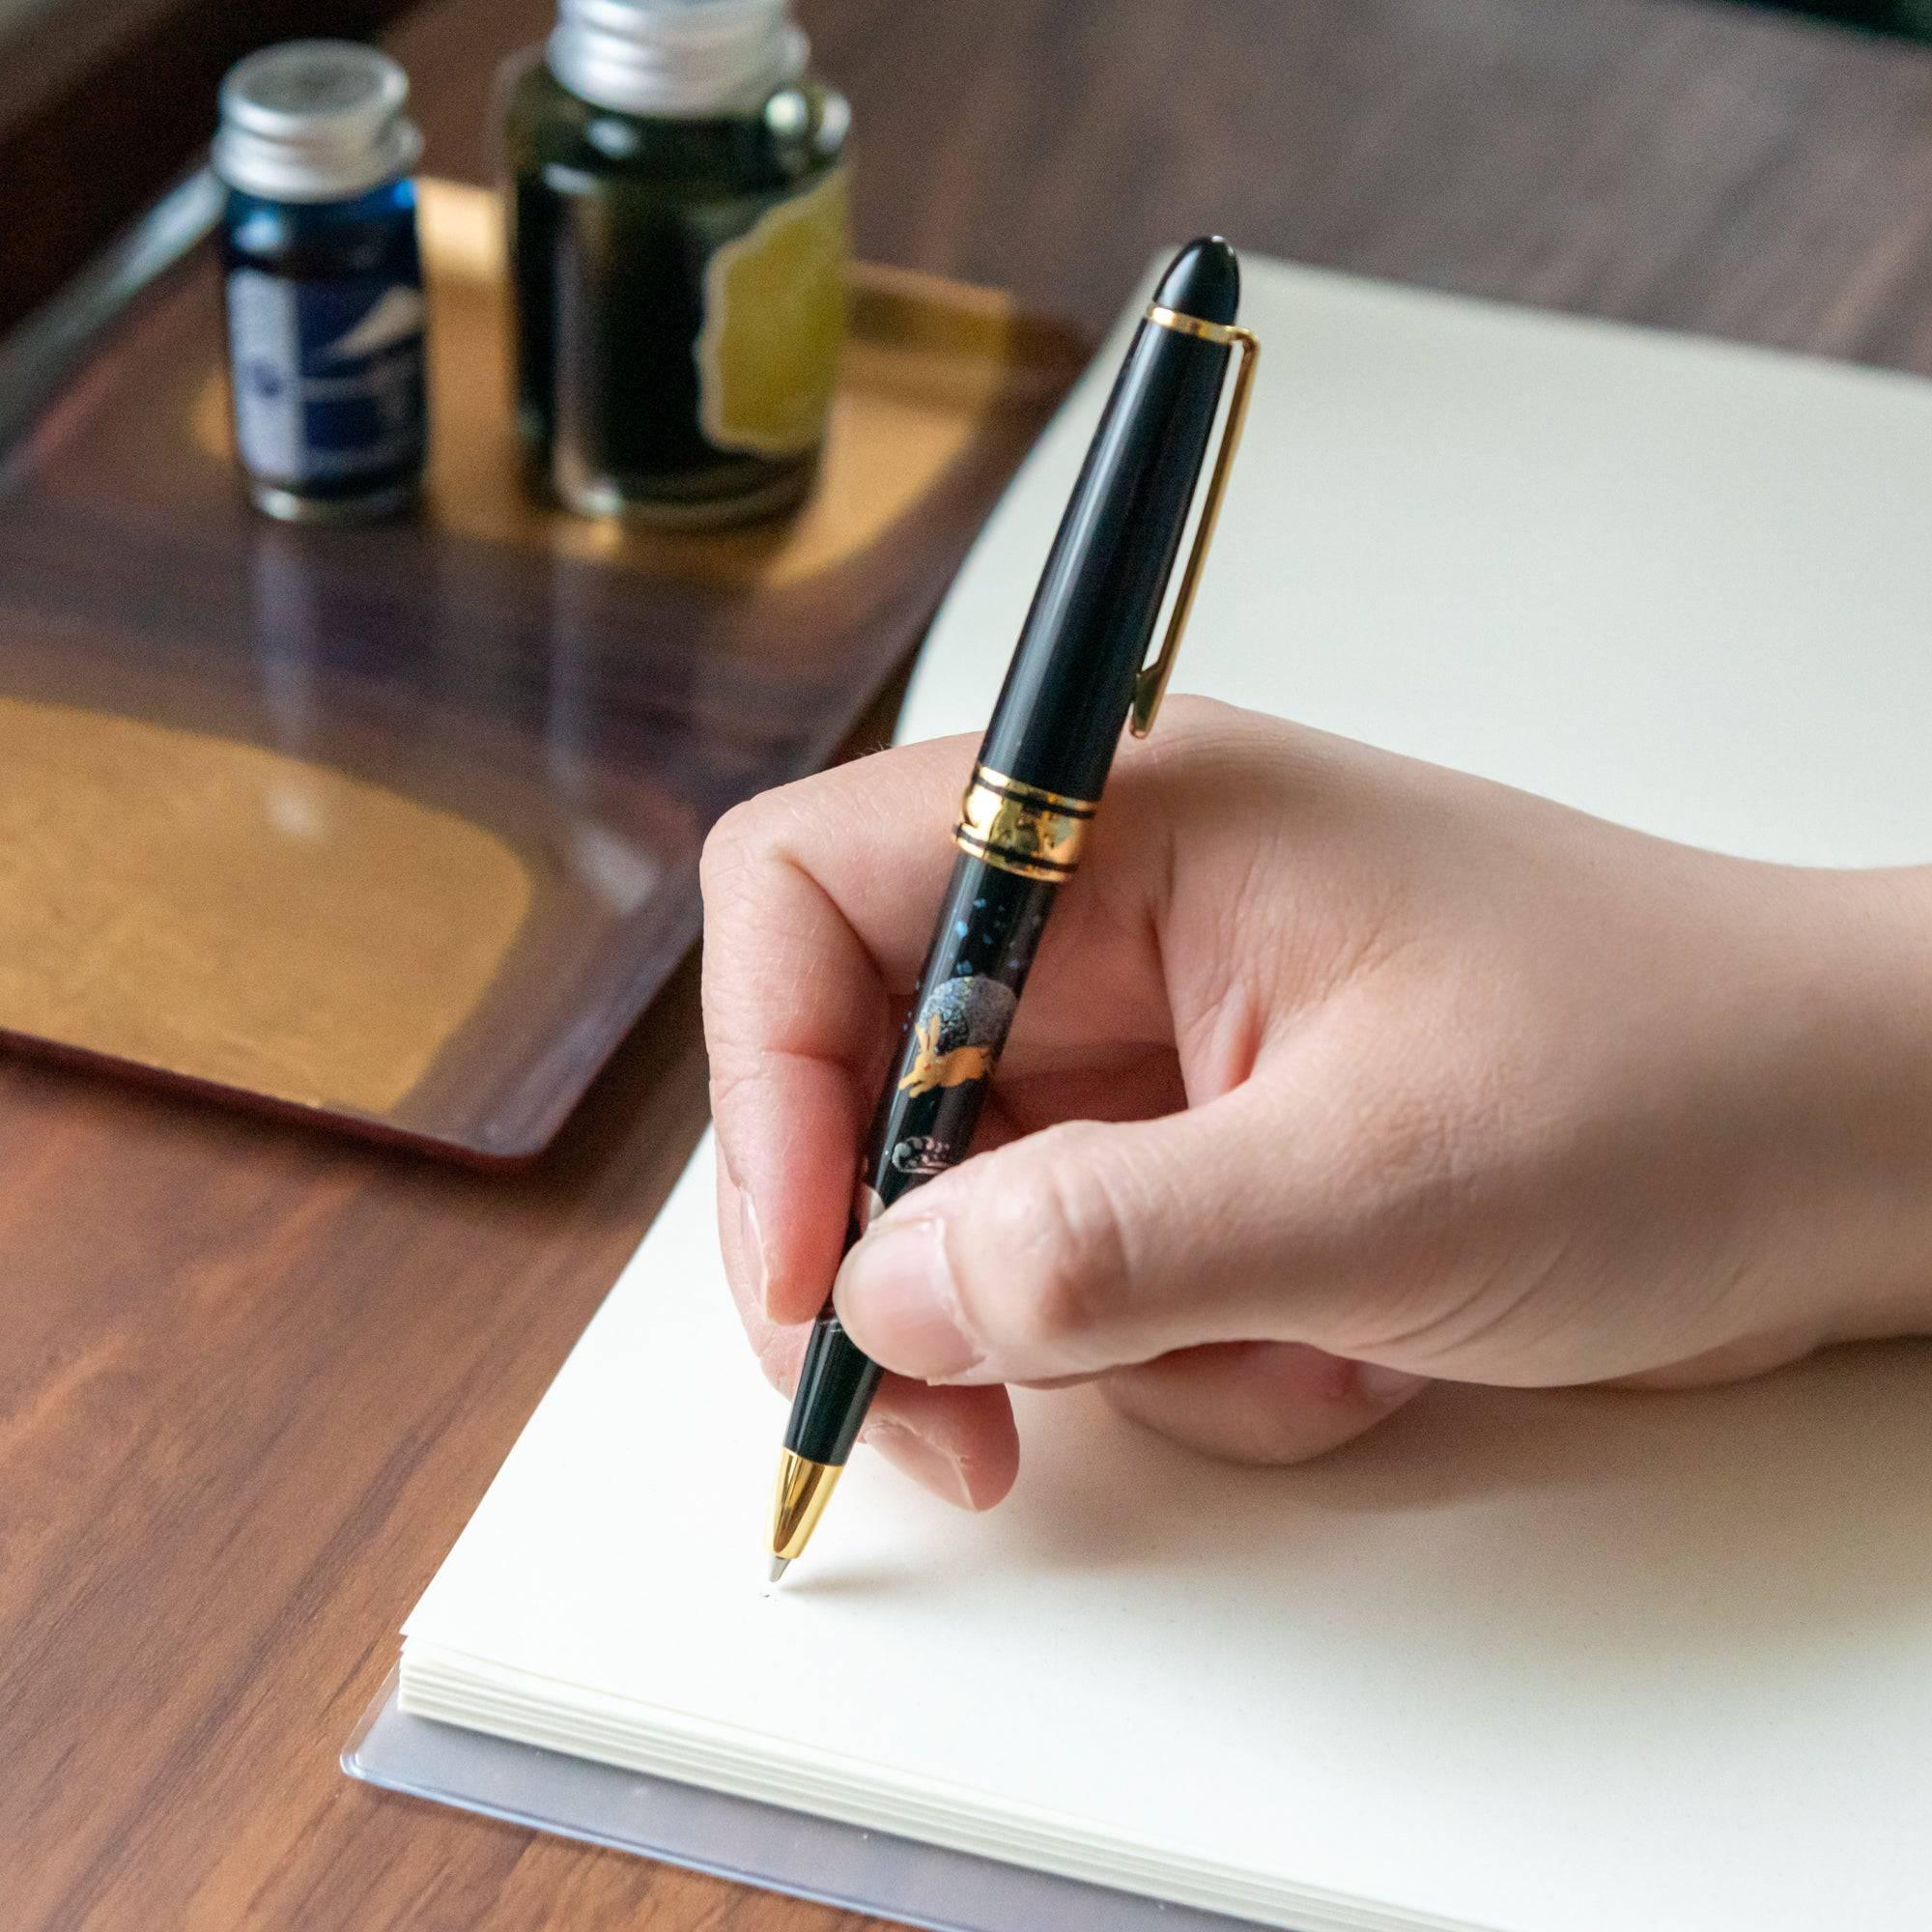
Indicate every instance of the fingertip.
{"type": "Point", "coordinates": [1267, 1403]}
{"type": "Point", "coordinates": [1386, 1388]}
{"type": "Point", "coordinates": [787, 1139]}
{"type": "Point", "coordinates": [925, 1462]}
{"type": "Point", "coordinates": [789, 1294]}
{"type": "Point", "coordinates": [960, 1443]}
{"type": "Point", "coordinates": [750, 1255]}
{"type": "Point", "coordinates": [781, 1354]}
{"type": "Point", "coordinates": [894, 1292]}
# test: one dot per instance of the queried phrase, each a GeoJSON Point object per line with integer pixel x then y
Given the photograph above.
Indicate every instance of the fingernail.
{"type": "Point", "coordinates": [754, 1246]}
{"type": "Point", "coordinates": [1376, 1384]}
{"type": "Point", "coordinates": [920, 1459]}
{"type": "Point", "coordinates": [895, 1294]}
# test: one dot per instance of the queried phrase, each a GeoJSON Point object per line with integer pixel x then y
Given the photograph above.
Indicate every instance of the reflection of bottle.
{"type": "Point", "coordinates": [290, 624]}
{"type": "Point", "coordinates": [324, 283]}
{"type": "Point", "coordinates": [678, 239]}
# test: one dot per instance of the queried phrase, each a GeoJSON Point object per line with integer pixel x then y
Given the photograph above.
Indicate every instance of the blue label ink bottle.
{"type": "Point", "coordinates": [323, 281]}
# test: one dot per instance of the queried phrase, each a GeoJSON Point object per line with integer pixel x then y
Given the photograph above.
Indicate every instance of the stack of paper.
{"type": "Point", "coordinates": [1569, 1663]}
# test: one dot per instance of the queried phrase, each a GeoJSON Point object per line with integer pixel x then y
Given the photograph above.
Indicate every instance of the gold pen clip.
{"type": "Point", "coordinates": [1152, 681]}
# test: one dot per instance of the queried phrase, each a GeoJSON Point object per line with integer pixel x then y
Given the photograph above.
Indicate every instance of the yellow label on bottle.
{"type": "Point", "coordinates": [773, 316]}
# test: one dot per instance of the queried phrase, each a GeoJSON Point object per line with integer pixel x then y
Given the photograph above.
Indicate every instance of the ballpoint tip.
{"type": "Point", "coordinates": [801, 1491]}
{"type": "Point", "coordinates": [780, 1565]}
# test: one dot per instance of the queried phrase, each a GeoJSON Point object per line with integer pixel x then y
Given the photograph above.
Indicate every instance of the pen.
{"type": "Point", "coordinates": [1078, 671]}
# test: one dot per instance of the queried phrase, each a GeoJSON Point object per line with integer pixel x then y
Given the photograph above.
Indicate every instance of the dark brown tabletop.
{"type": "Point", "coordinates": [254, 1379]}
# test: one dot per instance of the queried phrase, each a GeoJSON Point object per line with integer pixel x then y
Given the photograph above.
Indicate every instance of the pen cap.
{"type": "Point", "coordinates": [1070, 683]}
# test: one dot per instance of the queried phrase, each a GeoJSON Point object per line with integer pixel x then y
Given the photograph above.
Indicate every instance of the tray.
{"type": "Point", "coordinates": [396, 828]}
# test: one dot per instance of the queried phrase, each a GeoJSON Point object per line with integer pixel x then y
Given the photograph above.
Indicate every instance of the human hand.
{"type": "Point", "coordinates": [1336, 1073]}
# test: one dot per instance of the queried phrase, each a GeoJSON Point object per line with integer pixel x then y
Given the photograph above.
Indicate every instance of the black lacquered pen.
{"type": "Point", "coordinates": [1078, 672]}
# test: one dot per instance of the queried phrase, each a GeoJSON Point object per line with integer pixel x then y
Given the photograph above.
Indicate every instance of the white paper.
{"type": "Point", "coordinates": [1674, 582]}
{"type": "Point", "coordinates": [1571, 1663]}
{"type": "Point", "coordinates": [1587, 1660]}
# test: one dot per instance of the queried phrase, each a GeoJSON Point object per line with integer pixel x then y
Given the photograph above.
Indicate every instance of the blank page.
{"type": "Point", "coordinates": [1579, 1661]}
{"type": "Point", "coordinates": [1584, 1661]}
{"type": "Point", "coordinates": [1677, 583]}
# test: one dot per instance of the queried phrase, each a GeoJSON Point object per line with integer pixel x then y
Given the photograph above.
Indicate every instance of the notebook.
{"type": "Point", "coordinates": [1521, 1661]}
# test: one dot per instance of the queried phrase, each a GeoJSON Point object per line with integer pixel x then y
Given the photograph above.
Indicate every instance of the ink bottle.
{"type": "Point", "coordinates": [323, 281]}
{"type": "Point", "coordinates": [676, 196]}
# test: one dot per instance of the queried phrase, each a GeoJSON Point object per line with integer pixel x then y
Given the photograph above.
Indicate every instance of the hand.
{"type": "Point", "coordinates": [1337, 1072]}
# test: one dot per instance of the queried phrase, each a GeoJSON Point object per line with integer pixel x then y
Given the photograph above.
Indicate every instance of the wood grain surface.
{"type": "Point", "coordinates": [254, 1380]}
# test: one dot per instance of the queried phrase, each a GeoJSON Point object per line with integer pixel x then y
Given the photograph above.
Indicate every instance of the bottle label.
{"type": "Point", "coordinates": [327, 376]}
{"type": "Point", "coordinates": [773, 316]}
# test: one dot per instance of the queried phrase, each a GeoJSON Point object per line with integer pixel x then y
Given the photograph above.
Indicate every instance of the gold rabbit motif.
{"type": "Point", "coordinates": [931, 1068]}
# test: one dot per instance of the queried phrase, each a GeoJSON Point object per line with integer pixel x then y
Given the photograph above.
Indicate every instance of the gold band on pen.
{"type": "Point", "coordinates": [1023, 829]}
{"type": "Point", "coordinates": [1223, 333]}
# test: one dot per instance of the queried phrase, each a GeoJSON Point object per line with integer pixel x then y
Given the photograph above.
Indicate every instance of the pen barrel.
{"type": "Point", "coordinates": [1026, 810]}
{"type": "Point", "coordinates": [1068, 689]}
{"type": "Point", "coordinates": [984, 943]}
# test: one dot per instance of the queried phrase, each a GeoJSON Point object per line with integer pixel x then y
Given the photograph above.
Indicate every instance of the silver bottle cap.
{"type": "Point", "coordinates": [681, 59]}
{"type": "Point", "coordinates": [315, 121]}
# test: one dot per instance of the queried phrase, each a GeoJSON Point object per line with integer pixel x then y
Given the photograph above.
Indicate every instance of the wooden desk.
{"type": "Point", "coordinates": [252, 1382]}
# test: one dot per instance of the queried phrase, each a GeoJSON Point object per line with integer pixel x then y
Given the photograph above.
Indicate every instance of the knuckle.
{"type": "Point", "coordinates": [740, 835]}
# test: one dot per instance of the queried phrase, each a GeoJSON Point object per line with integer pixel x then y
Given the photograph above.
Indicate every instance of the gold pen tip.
{"type": "Point", "coordinates": [803, 1489]}
{"type": "Point", "coordinates": [780, 1565]}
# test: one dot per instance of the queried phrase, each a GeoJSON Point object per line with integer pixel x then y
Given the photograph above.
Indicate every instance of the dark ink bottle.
{"type": "Point", "coordinates": [323, 281]}
{"type": "Point", "coordinates": [676, 198]}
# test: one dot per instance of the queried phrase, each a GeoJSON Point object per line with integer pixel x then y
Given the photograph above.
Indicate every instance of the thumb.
{"type": "Point", "coordinates": [1082, 1248]}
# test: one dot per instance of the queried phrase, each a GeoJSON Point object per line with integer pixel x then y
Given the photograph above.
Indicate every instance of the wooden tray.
{"type": "Point", "coordinates": [397, 828]}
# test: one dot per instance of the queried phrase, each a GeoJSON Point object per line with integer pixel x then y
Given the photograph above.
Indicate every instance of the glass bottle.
{"type": "Point", "coordinates": [323, 280]}
{"type": "Point", "coordinates": [677, 213]}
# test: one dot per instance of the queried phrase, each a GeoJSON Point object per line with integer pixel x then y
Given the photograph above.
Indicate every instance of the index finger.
{"type": "Point", "coordinates": [819, 902]}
